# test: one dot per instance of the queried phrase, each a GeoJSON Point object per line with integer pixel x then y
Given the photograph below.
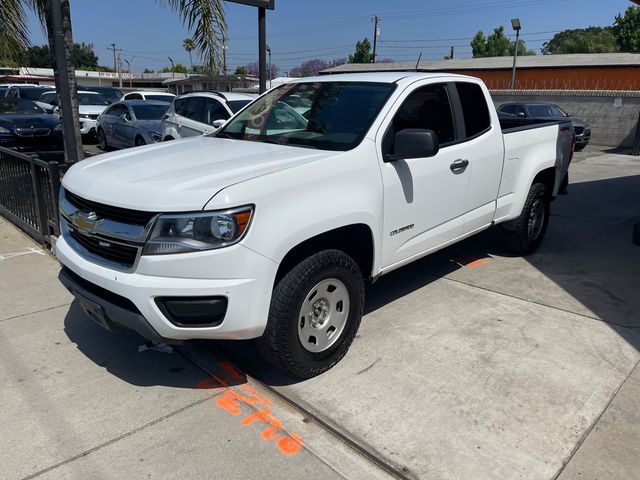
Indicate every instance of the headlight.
{"type": "Point", "coordinates": [194, 232]}
{"type": "Point", "coordinates": [155, 136]}
{"type": "Point", "coordinates": [57, 128]}
{"type": "Point", "coordinates": [4, 130]}
{"type": "Point", "coordinates": [84, 115]}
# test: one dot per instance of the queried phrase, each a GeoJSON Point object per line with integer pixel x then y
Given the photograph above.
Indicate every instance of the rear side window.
{"type": "Point", "coordinates": [134, 96]}
{"type": "Point", "coordinates": [194, 109]}
{"type": "Point", "coordinates": [180, 106]}
{"type": "Point", "coordinates": [474, 107]}
{"type": "Point", "coordinates": [213, 111]}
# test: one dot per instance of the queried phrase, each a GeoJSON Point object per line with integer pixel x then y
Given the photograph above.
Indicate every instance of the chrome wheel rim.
{"type": "Point", "coordinates": [536, 219]}
{"type": "Point", "coordinates": [323, 315]}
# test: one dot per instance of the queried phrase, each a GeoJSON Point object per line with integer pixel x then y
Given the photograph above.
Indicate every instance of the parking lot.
{"type": "Point", "coordinates": [470, 363]}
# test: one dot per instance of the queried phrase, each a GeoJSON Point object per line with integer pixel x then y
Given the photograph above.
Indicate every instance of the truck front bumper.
{"type": "Point", "coordinates": [135, 300]}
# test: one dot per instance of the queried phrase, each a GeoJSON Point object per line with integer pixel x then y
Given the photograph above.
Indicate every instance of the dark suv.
{"type": "Point", "coordinates": [547, 111]}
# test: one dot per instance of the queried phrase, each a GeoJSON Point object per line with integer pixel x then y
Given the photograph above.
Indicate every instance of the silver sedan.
{"type": "Point", "coordinates": [131, 123]}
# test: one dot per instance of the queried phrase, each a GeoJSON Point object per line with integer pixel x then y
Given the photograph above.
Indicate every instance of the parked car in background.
{"type": "Point", "coordinates": [30, 92]}
{"type": "Point", "coordinates": [131, 123]}
{"type": "Point", "coordinates": [110, 94]}
{"type": "Point", "coordinates": [26, 126]}
{"type": "Point", "coordinates": [90, 106]}
{"type": "Point", "coordinates": [142, 95]}
{"type": "Point", "coordinates": [551, 112]}
{"type": "Point", "coordinates": [196, 113]}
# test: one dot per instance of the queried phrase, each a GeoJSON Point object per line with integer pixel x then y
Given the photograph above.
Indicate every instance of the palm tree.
{"type": "Point", "coordinates": [188, 45]}
{"type": "Point", "coordinates": [13, 30]}
{"type": "Point", "coordinates": [206, 19]}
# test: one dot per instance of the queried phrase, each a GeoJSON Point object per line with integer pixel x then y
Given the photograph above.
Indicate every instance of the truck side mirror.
{"type": "Point", "coordinates": [414, 143]}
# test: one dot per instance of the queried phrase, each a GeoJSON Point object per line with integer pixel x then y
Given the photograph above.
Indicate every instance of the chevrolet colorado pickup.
{"type": "Point", "coordinates": [270, 227]}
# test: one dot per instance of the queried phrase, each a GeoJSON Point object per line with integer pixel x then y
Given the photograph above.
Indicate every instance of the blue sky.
{"type": "Point", "coordinates": [302, 29]}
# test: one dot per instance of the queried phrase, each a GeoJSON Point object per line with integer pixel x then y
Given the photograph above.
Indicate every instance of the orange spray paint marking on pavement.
{"type": "Point", "coordinates": [229, 403]}
{"type": "Point", "coordinates": [232, 402]}
{"type": "Point", "coordinates": [470, 261]}
{"type": "Point", "coordinates": [290, 446]}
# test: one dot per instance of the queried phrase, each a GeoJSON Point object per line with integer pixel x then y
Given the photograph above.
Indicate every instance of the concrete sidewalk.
{"type": "Point", "coordinates": [469, 364]}
{"type": "Point", "coordinates": [79, 402]}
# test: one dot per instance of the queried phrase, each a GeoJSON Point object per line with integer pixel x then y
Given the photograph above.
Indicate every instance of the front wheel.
{"type": "Point", "coordinates": [314, 315]}
{"type": "Point", "coordinates": [140, 142]}
{"type": "Point", "coordinates": [524, 234]}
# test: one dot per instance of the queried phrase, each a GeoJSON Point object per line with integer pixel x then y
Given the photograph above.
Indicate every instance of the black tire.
{"type": "Point", "coordinates": [139, 141]}
{"type": "Point", "coordinates": [102, 140]}
{"type": "Point", "coordinates": [280, 344]}
{"type": "Point", "coordinates": [168, 138]}
{"type": "Point", "coordinates": [579, 148]}
{"type": "Point", "coordinates": [524, 234]}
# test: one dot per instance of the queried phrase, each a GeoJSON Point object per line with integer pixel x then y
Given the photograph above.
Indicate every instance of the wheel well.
{"type": "Point", "coordinates": [548, 178]}
{"type": "Point", "coordinates": [354, 240]}
{"type": "Point", "coordinates": [167, 138]}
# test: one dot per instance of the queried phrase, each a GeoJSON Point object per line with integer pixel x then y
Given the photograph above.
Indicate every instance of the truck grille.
{"type": "Point", "coordinates": [124, 255]}
{"type": "Point", "coordinates": [104, 234]}
{"type": "Point", "coordinates": [117, 214]}
{"type": "Point", "coordinates": [578, 130]}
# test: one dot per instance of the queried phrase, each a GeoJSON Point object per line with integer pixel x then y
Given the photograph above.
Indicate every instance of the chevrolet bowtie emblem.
{"type": "Point", "coordinates": [86, 222]}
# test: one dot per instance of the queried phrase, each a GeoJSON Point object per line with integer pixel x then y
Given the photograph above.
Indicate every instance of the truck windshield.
{"type": "Point", "coordinates": [336, 116]}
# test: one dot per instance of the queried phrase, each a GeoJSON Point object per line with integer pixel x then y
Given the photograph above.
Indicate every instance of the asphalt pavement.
{"type": "Point", "coordinates": [470, 363]}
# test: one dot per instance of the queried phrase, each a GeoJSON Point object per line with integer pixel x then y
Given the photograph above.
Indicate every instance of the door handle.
{"type": "Point", "coordinates": [459, 166]}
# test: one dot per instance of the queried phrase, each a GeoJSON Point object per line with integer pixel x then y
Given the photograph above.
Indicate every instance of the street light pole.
{"type": "Point", "coordinates": [269, 52]}
{"type": "Point", "coordinates": [515, 23]}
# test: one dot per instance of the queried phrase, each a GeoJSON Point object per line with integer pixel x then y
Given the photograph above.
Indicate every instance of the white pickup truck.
{"type": "Point", "coordinates": [271, 227]}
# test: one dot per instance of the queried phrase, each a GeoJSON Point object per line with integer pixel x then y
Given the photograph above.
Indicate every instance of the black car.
{"type": "Point", "coordinates": [110, 94]}
{"type": "Point", "coordinates": [26, 126]}
{"type": "Point", "coordinates": [28, 92]}
{"type": "Point", "coordinates": [547, 111]}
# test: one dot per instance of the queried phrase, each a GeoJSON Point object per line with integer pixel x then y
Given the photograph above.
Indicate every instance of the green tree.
{"type": "Point", "coordinates": [179, 68]}
{"type": "Point", "coordinates": [582, 40]}
{"type": "Point", "coordinates": [189, 45]}
{"type": "Point", "coordinates": [479, 45]}
{"type": "Point", "coordinates": [363, 52]}
{"type": "Point", "coordinates": [240, 71]}
{"type": "Point", "coordinates": [498, 45]}
{"type": "Point", "coordinates": [627, 30]}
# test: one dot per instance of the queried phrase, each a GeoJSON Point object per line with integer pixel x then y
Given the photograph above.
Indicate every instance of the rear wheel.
{"type": "Point", "coordinates": [314, 315]}
{"type": "Point", "coordinates": [102, 140]}
{"type": "Point", "coordinates": [524, 234]}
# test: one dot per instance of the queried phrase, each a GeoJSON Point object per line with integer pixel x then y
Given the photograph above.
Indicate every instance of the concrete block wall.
{"type": "Point", "coordinates": [612, 115]}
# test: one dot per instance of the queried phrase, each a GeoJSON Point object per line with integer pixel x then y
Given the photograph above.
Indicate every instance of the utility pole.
{"type": "Point", "coordinates": [451, 55]}
{"type": "Point", "coordinates": [173, 68]}
{"type": "Point", "coordinates": [376, 32]}
{"type": "Point", "coordinates": [119, 69]}
{"type": "Point", "coordinates": [114, 49]}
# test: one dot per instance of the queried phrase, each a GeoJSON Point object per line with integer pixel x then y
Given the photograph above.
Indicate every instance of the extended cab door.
{"type": "Point", "coordinates": [483, 137]}
{"type": "Point", "coordinates": [424, 198]}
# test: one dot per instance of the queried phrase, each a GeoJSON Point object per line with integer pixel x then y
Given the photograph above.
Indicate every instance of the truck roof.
{"type": "Point", "coordinates": [383, 77]}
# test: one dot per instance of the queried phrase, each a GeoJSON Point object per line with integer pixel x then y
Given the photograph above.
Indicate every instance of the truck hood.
{"type": "Point", "coordinates": [179, 175]}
